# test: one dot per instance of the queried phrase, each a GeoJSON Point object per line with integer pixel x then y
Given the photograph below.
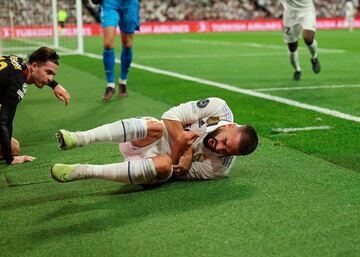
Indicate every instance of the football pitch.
{"type": "Point", "coordinates": [297, 195]}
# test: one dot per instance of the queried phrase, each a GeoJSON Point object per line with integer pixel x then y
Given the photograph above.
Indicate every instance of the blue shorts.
{"type": "Point", "coordinates": [128, 19]}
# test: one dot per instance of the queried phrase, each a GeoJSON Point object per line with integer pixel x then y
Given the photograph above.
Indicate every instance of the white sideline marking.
{"type": "Point", "coordinates": [288, 130]}
{"type": "Point", "coordinates": [202, 56]}
{"type": "Point", "coordinates": [305, 88]}
{"type": "Point", "coordinates": [255, 45]}
{"type": "Point", "coordinates": [278, 99]}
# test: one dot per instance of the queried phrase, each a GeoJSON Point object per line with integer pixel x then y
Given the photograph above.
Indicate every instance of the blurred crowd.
{"type": "Point", "coordinates": [30, 12]}
{"type": "Point", "coordinates": [172, 10]}
{"type": "Point", "coordinates": [37, 12]}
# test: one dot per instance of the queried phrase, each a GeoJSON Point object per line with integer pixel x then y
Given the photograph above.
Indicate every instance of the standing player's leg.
{"type": "Point", "coordinates": [294, 59]}
{"type": "Point", "coordinates": [146, 131]}
{"type": "Point", "coordinates": [309, 38]}
{"type": "Point", "coordinates": [129, 23]}
{"type": "Point", "coordinates": [126, 60]}
{"type": "Point", "coordinates": [141, 171]}
{"type": "Point", "coordinates": [309, 28]}
{"type": "Point", "coordinates": [292, 32]}
{"type": "Point", "coordinates": [109, 21]}
{"type": "Point", "coordinates": [349, 22]}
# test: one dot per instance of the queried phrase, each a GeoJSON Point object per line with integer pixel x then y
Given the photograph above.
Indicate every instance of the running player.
{"type": "Point", "coordinates": [15, 75]}
{"type": "Point", "coordinates": [300, 16]}
{"type": "Point", "coordinates": [195, 140]}
{"type": "Point", "coordinates": [349, 14]}
{"type": "Point", "coordinates": [125, 14]}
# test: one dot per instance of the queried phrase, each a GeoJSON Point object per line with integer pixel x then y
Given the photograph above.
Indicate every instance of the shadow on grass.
{"type": "Point", "coordinates": [121, 209]}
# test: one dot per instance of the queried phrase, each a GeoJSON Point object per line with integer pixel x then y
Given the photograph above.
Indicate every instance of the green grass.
{"type": "Point", "coordinates": [297, 195]}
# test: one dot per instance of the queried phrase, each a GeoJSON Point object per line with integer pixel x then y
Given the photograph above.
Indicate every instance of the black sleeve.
{"type": "Point", "coordinates": [7, 113]}
{"type": "Point", "coordinates": [53, 84]}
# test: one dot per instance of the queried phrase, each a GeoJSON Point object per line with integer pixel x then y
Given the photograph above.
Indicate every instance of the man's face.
{"type": "Point", "coordinates": [224, 140]}
{"type": "Point", "coordinates": [42, 73]}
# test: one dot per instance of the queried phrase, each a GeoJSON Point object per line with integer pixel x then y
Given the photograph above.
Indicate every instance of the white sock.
{"type": "Point", "coordinates": [294, 60]}
{"type": "Point", "coordinates": [121, 81]}
{"type": "Point", "coordinates": [313, 49]}
{"type": "Point", "coordinates": [111, 84]}
{"type": "Point", "coordinates": [129, 172]}
{"type": "Point", "coordinates": [117, 132]}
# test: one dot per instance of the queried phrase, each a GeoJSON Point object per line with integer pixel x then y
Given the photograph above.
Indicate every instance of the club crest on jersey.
{"type": "Point", "coordinates": [202, 103]}
{"type": "Point", "coordinates": [213, 121]}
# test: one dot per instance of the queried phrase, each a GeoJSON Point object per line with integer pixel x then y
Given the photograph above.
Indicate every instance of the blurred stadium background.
{"type": "Point", "coordinates": [167, 10]}
{"type": "Point", "coordinates": [32, 20]}
{"type": "Point", "coordinates": [297, 195]}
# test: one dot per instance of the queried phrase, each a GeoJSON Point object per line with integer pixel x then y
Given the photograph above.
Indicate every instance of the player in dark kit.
{"type": "Point", "coordinates": [15, 75]}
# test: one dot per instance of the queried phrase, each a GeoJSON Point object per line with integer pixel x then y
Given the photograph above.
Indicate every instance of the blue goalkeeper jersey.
{"type": "Point", "coordinates": [120, 4]}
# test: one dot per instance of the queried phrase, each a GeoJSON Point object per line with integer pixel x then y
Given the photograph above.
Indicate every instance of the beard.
{"type": "Point", "coordinates": [209, 136]}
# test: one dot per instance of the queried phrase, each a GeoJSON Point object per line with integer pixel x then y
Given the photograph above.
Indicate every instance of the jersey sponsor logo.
{"type": "Point", "coordinates": [202, 103]}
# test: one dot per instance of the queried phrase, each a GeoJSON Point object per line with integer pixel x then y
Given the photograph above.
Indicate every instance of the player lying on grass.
{"type": "Point", "coordinates": [195, 140]}
{"type": "Point", "coordinates": [15, 74]}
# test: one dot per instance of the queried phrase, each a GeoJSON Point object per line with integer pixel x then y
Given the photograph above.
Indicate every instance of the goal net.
{"type": "Point", "coordinates": [26, 25]}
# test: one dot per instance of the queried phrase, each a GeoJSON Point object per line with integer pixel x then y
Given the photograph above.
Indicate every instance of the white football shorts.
{"type": "Point", "coordinates": [296, 22]}
{"type": "Point", "coordinates": [158, 147]}
{"type": "Point", "coordinates": [349, 20]}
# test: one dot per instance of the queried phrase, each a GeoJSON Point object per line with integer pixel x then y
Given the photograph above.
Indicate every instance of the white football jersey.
{"type": "Point", "coordinates": [349, 9]}
{"type": "Point", "coordinates": [297, 5]}
{"type": "Point", "coordinates": [205, 116]}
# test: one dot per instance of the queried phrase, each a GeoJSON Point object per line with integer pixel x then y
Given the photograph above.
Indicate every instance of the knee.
{"type": "Point", "coordinates": [308, 40]}
{"type": "Point", "coordinates": [108, 43]}
{"type": "Point", "coordinates": [163, 166]}
{"type": "Point", "coordinates": [309, 37]}
{"type": "Point", "coordinates": [292, 47]}
{"type": "Point", "coordinates": [126, 41]}
{"type": "Point", "coordinates": [155, 129]}
{"type": "Point", "coordinates": [126, 45]}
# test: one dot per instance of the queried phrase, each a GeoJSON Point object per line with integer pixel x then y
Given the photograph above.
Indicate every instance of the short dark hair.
{"type": "Point", "coordinates": [44, 54]}
{"type": "Point", "coordinates": [249, 140]}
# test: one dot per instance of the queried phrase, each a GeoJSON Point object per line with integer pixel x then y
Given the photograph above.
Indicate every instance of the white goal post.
{"type": "Point", "coordinates": [26, 25]}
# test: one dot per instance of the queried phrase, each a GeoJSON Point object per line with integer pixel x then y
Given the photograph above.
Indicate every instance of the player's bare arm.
{"type": "Point", "coordinates": [22, 159]}
{"type": "Point", "coordinates": [180, 140]}
{"type": "Point", "coordinates": [62, 94]}
{"type": "Point", "coordinates": [184, 164]}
